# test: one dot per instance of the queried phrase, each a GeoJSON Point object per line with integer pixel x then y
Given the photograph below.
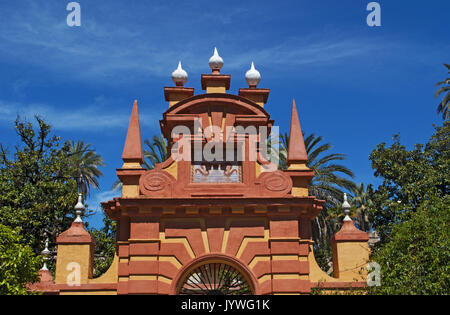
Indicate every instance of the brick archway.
{"type": "Point", "coordinates": [215, 258]}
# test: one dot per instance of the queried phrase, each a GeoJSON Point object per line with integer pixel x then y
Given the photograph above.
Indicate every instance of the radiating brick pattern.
{"type": "Point", "coordinates": [268, 249]}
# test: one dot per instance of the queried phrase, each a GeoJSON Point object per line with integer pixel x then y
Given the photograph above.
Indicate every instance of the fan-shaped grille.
{"type": "Point", "coordinates": [215, 279]}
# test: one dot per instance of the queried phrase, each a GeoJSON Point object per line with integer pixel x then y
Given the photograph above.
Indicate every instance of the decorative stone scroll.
{"type": "Point", "coordinates": [274, 183]}
{"type": "Point", "coordinates": [156, 183]}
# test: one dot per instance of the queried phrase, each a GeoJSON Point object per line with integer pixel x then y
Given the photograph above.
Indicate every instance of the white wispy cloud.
{"type": "Point", "coordinates": [88, 118]}
{"type": "Point", "coordinates": [39, 35]}
{"type": "Point", "coordinates": [101, 196]}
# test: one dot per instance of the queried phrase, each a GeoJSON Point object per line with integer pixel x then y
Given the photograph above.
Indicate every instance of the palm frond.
{"type": "Point", "coordinates": [156, 151]}
{"type": "Point", "coordinates": [330, 182]}
{"type": "Point", "coordinates": [87, 163]}
{"type": "Point", "coordinates": [443, 105]}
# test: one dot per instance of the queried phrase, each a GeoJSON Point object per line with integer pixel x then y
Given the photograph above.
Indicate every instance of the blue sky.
{"type": "Point", "coordinates": [354, 85]}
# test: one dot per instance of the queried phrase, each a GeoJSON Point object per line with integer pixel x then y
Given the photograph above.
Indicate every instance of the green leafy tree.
{"type": "Point", "coordinates": [18, 263]}
{"type": "Point", "coordinates": [443, 105]}
{"type": "Point", "coordinates": [105, 246]}
{"type": "Point", "coordinates": [38, 189]}
{"type": "Point", "coordinates": [416, 258]}
{"type": "Point", "coordinates": [411, 215]}
{"type": "Point", "coordinates": [409, 178]}
{"type": "Point", "coordinates": [86, 162]}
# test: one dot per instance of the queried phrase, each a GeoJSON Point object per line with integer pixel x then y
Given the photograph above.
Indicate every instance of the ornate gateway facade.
{"type": "Point", "coordinates": [202, 225]}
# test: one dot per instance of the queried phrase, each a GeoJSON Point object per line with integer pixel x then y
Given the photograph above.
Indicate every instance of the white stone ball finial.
{"type": "Point", "coordinates": [346, 207]}
{"type": "Point", "coordinates": [79, 208]}
{"type": "Point", "coordinates": [179, 76]}
{"type": "Point", "coordinates": [253, 77]}
{"type": "Point", "coordinates": [215, 62]}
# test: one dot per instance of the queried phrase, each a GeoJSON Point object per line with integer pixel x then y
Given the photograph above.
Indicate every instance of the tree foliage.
{"type": "Point", "coordinates": [105, 246]}
{"type": "Point", "coordinates": [409, 178]}
{"type": "Point", "coordinates": [86, 162]}
{"type": "Point", "coordinates": [156, 152]}
{"type": "Point", "coordinates": [411, 215]}
{"type": "Point", "coordinates": [329, 183]}
{"type": "Point", "coordinates": [18, 263]}
{"type": "Point", "coordinates": [416, 258]}
{"type": "Point", "coordinates": [362, 204]}
{"type": "Point", "coordinates": [38, 189]}
{"type": "Point", "coordinates": [331, 178]}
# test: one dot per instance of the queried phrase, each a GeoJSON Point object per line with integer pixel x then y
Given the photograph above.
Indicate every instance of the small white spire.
{"type": "Point", "coordinates": [346, 207]}
{"type": "Point", "coordinates": [79, 208]}
{"type": "Point", "coordinates": [46, 253]}
{"type": "Point", "coordinates": [215, 62]}
{"type": "Point", "coordinates": [179, 76]}
{"type": "Point", "coordinates": [253, 76]}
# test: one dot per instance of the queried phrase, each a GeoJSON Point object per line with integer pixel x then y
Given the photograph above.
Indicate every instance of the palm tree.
{"type": "Point", "coordinates": [329, 183]}
{"type": "Point", "coordinates": [362, 202]}
{"type": "Point", "coordinates": [156, 153]}
{"type": "Point", "coordinates": [87, 162]}
{"type": "Point", "coordinates": [443, 106]}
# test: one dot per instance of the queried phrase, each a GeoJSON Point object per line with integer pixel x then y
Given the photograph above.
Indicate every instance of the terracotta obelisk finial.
{"type": "Point", "coordinates": [297, 156]}
{"type": "Point", "coordinates": [132, 151]}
